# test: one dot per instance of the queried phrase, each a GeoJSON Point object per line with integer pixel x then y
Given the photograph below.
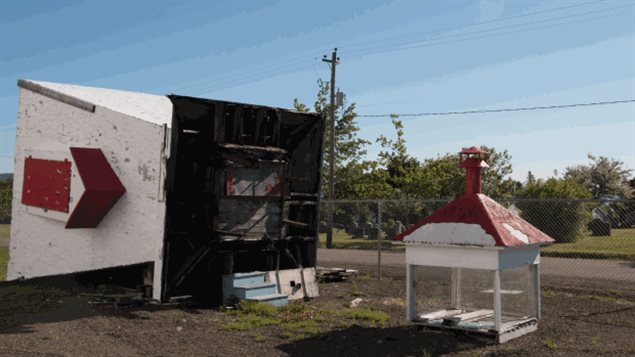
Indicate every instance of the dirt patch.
{"type": "Point", "coordinates": [54, 319]}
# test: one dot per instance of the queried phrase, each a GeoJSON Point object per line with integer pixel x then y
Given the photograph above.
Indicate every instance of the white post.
{"type": "Point", "coordinates": [379, 226]}
{"type": "Point", "coordinates": [456, 288]}
{"type": "Point", "coordinates": [497, 300]}
{"type": "Point", "coordinates": [410, 293]}
{"type": "Point", "coordinates": [537, 280]}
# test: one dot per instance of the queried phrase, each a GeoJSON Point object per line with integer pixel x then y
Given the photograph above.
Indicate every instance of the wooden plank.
{"type": "Point", "coordinates": [295, 195]}
{"type": "Point", "coordinates": [469, 316]}
{"type": "Point", "coordinates": [410, 292]}
{"type": "Point", "coordinates": [271, 149]}
{"type": "Point", "coordinates": [517, 332]}
{"type": "Point", "coordinates": [439, 315]}
{"type": "Point", "coordinates": [296, 223]}
{"type": "Point", "coordinates": [503, 292]}
{"type": "Point", "coordinates": [64, 98]}
{"type": "Point", "coordinates": [226, 233]}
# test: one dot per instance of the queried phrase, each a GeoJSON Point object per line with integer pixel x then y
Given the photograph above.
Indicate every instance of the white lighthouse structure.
{"type": "Point", "coordinates": [473, 265]}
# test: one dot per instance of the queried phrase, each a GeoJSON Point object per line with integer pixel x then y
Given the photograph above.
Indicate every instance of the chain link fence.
{"type": "Point", "coordinates": [594, 249]}
{"type": "Point", "coordinates": [595, 239]}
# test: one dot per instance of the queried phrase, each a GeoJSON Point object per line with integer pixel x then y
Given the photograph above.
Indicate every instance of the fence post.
{"type": "Point", "coordinates": [379, 231]}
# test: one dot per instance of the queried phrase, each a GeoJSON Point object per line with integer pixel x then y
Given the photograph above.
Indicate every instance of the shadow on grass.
{"type": "Point", "coordinates": [363, 244]}
{"type": "Point", "coordinates": [373, 341]}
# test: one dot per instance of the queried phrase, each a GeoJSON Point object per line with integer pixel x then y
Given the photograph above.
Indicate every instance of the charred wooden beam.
{"type": "Point", "coordinates": [296, 223]}
{"type": "Point", "coordinates": [301, 203]}
{"type": "Point", "coordinates": [242, 148]}
{"type": "Point", "coordinates": [301, 238]}
{"type": "Point", "coordinates": [227, 233]}
{"type": "Point", "coordinates": [297, 195]}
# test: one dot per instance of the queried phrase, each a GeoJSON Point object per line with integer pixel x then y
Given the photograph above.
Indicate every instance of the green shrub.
{"type": "Point", "coordinates": [564, 220]}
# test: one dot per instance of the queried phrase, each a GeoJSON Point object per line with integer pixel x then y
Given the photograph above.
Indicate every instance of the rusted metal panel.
{"type": "Point", "coordinates": [46, 184]}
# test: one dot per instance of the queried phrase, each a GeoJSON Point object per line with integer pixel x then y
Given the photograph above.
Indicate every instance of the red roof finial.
{"type": "Point", "coordinates": [472, 160]}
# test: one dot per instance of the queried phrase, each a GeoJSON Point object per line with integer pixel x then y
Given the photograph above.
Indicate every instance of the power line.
{"type": "Point", "coordinates": [256, 74]}
{"type": "Point", "coordinates": [479, 24]}
{"type": "Point", "coordinates": [231, 79]}
{"type": "Point", "coordinates": [494, 32]}
{"type": "Point", "coordinates": [481, 111]}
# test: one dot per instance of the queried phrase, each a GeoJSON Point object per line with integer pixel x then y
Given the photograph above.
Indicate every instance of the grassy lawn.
{"type": "Point", "coordinates": [5, 230]}
{"type": "Point", "coordinates": [341, 240]}
{"type": "Point", "coordinates": [620, 245]}
{"type": "Point", "coordinates": [4, 251]}
{"type": "Point", "coordinates": [4, 260]}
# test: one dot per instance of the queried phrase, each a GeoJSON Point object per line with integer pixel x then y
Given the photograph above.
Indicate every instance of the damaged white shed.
{"type": "Point", "coordinates": [186, 188]}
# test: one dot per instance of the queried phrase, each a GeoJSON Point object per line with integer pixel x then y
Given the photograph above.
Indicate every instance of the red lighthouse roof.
{"type": "Point", "coordinates": [474, 219]}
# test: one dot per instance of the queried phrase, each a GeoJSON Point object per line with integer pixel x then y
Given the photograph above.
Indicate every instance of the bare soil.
{"type": "Point", "coordinates": [51, 317]}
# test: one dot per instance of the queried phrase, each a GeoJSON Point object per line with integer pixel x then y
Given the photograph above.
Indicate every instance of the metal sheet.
{"type": "Point", "coordinates": [46, 184]}
{"type": "Point", "coordinates": [103, 188]}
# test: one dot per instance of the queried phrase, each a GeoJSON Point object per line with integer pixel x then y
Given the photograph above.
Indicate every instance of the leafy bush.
{"type": "Point", "coordinates": [562, 220]}
{"type": "Point", "coordinates": [5, 201]}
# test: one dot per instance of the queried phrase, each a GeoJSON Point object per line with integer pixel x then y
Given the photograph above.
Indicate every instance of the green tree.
{"type": "Point", "coordinates": [564, 220]}
{"type": "Point", "coordinates": [443, 178]}
{"type": "Point", "coordinates": [349, 148]}
{"type": "Point", "coordinates": [6, 190]}
{"type": "Point", "coordinates": [403, 172]}
{"type": "Point", "coordinates": [603, 177]}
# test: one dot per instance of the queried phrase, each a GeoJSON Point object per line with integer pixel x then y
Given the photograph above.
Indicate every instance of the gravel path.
{"type": "Point", "coordinates": [619, 271]}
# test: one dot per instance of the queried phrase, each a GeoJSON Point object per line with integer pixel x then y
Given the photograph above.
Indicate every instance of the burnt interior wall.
{"type": "Point", "coordinates": [243, 194]}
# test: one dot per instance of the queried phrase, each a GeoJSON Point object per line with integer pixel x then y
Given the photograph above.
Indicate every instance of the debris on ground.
{"type": "Point", "coordinates": [328, 275]}
{"type": "Point", "coordinates": [356, 302]}
{"type": "Point", "coordinates": [120, 297]}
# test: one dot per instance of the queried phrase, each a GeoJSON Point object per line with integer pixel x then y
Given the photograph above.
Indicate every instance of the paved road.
{"type": "Point", "coordinates": [619, 271]}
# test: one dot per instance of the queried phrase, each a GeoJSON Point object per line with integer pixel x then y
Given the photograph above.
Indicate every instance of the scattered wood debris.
{"type": "Point", "coordinates": [329, 275]}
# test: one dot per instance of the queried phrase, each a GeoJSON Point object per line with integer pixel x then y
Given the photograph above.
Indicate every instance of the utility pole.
{"type": "Point", "coordinates": [329, 232]}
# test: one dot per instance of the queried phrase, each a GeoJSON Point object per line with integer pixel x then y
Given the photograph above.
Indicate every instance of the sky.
{"type": "Point", "coordinates": [396, 57]}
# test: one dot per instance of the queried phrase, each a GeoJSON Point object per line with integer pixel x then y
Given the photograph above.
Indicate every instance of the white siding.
{"type": "Point", "coordinates": [132, 232]}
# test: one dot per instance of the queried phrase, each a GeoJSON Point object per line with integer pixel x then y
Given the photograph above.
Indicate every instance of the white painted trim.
{"type": "Point", "coordinates": [452, 257]}
{"type": "Point", "coordinates": [537, 291]}
{"type": "Point", "coordinates": [519, 256]}
{"type": "Point", "coordinates": [451, 234]}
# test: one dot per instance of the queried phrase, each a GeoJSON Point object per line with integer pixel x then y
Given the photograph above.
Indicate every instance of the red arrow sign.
{"type": "Point", "coordinates": [103, 188]}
